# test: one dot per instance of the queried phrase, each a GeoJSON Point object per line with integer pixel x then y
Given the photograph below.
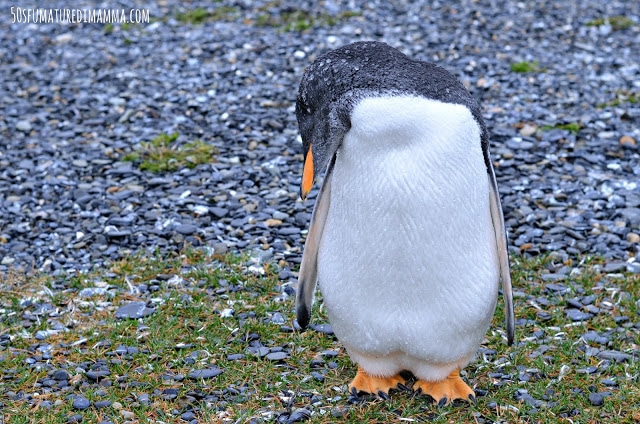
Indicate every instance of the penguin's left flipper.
{"type": "Point", "coordinates": [308, 275]}
{"type": "Point", "coordinates": [503, 254]}
{"type": "Point", "coordinates": [447, 390]}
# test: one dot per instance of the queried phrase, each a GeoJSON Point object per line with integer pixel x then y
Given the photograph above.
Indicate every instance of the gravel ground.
{"type": "Point", "coordinates": [74, 99]}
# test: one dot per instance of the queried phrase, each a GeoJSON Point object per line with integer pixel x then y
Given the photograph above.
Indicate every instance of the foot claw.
{"type": "Point", "coordinates": [383, 395]}
{"type": "Point", "coordinates": [442, 402]}
{"type": "Point", "coordinates": [472, 398]}
{"type": "Point", "coordinates": [403, 387]}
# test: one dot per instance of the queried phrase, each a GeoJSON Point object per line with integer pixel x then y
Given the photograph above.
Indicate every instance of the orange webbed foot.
{"type": "Point", "coordinates": [380, 386]}
{"type": "Point", "coordinates": [447, 390]}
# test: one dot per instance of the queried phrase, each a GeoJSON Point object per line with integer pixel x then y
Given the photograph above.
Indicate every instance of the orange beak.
{"type": "Point", "coordinates": [307, 175]}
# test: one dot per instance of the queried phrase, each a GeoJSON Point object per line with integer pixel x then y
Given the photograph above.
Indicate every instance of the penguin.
{"type": "Point", "coordinates": [407, 238]}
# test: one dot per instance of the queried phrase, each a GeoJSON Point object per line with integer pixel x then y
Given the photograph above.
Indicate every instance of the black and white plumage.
{"type": "Point", "coordinates": [407, 237]}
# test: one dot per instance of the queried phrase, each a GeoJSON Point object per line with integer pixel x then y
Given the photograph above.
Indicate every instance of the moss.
{"type": "Point", "coordinates": [201, 15]}
{"type": "Point", "coordinates": [572, 127]}
{"type": "Point", "coordinates": [298, 19]}
{"type": "Point", "coordinates": [525, 66]}
{"type": "Point", "coordinates": [159, 155]}
{"type": "Point", "coordinates": [617, 22]}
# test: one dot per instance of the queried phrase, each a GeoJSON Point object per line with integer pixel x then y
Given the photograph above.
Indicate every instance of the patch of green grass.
{"type": "Point", "coordinates": [622, 97]}
{"type": "Point", "coordinates": [617, 22]}
{"type": "Point", "coordinates": [572, 127]}
{"type": "Point", "coordinates": [300, 20]}
{"type": "Point", "coordinates": [221, 306]}
{"type": "Point", "coordinates": [525, 66]}
{"type": "Point", "coordinates": [159, 155]}
{"type": "Point", "coordinates": [200, 15]}
{"type": "Point", "coordinates": [108, 28]}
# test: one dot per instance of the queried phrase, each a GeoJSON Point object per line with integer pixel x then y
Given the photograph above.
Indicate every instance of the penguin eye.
{"type": "Point", "coordinates": [309, 110]}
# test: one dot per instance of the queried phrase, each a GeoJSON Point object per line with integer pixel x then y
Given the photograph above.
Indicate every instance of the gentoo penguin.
{"type": "Point", "coordinates": [407, 237]}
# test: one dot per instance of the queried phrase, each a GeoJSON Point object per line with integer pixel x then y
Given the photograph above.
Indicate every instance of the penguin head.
{"type": "Point", "coordinates": [323, 117]}
{"type": "Point", "coordinates": [330, 88]}
{"type": "Point", "coordinates": [336, 81]}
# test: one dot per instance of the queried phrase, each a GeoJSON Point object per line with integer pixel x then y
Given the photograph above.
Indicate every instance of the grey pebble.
{"type": "Point", "coordinates": [235, 357]}
{"type": "Point", "coordinates": [577, 315]}
{"type": "Point", "coordinates": [80, 402]}
{"type": "Point", "coordinates": [134, 310]}
{"type": "Point", "coordinates": [277, 356]}
{"type": "Point", "coordinates": [24, 126]}
{"type": "Point", "coordinates": [60, 375]}
{"type": "Point", "coordinates": [187, 416]}
{"type": "Point", "coordinates": [186, 229]}
{"type": "Point", "coordinates": [298, 415]}
{"type": "Point", "coordinates": [96, 375]}
{"type": "Point", "coordinates": [204, 373]}
{"type": "Point", "coordinates": [614, 355]}
{"type": "Point", "coordinates": [322, 328]}
{"type": "Point", "coordinates": [596, 399]}
{"type": "Point", "coordinates": [102, 404]}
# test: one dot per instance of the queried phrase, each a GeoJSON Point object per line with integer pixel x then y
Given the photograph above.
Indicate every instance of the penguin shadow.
{"type": "Point", "coordinates": [360, 398]}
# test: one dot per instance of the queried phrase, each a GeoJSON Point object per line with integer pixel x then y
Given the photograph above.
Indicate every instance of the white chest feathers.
{"type": "Point", "coordinates": [407, 260]}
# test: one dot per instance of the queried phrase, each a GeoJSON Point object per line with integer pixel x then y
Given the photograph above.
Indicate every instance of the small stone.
{"type": "Point", "coordinates": [134, 310]}
{"type": "Point", "coordinates": [272, 222]}
{"type": "Point", "coordinates": [557, 288]}
{"type": "Point", "coordinates": [235, 357]}
{"type": "Point", "coordinates": [77, 418]}
{"type": "Point", "coordinates": [24, 126]}
{"type": "Point", "coordinates": [186, 229]}
{"type": "Point", "coordinates": [188, 416]}
{"type": "Point", "coordinates": [127, 415]}
{"type": "Point", "coordinates": [60, 375]}
{"type": "Point", "coordinates": [633, 238]}
{"type": "Point", "coordinates": [322, 328]}
{"type": "Point", "coordinates": [92, 291]}
{"type": "Point", "coordinates": [80, 402]}
{"type": "Point", "coordinates": [552, 277]}
{"type": "Point", "coordinates": [613, 267]}
{"type": "Point", "coordinates": [97, 375]}
{"type": "Point", "coordinates": [277, 318]}
{"type": "Point", "coordinates": [528, 130]}
{"type": "Point", "coordinates": [102, 404]}
{"type": "Point", "coordinates": [298, 415]}
{"type": "Point", "coordinates": [596, 399]}
{"type": "Point", "coordinates": [317, 376]}
{"type": "Point", "coordinates": [614, 355]}
{"type": "Point", "coordinates": [64, 38]}
{"type": "Point", "coordinates": [279, 215]}
{"type": "Point", "coordinates": [204, 373]}
{"type": "Point", "coordinates": [143, 398]}
{"type": "Point", "coordinates": [577, 315]}
{"type": "Point", "coordinates": [277, 356]}
{"type": "Point", "coordinates": [627, 140]}
{"type": "Point", "coordinates": [219, 212]}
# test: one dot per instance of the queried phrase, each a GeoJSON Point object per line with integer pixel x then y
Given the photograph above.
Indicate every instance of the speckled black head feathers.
{"type": "Point", "coordinates": [336, 81]}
